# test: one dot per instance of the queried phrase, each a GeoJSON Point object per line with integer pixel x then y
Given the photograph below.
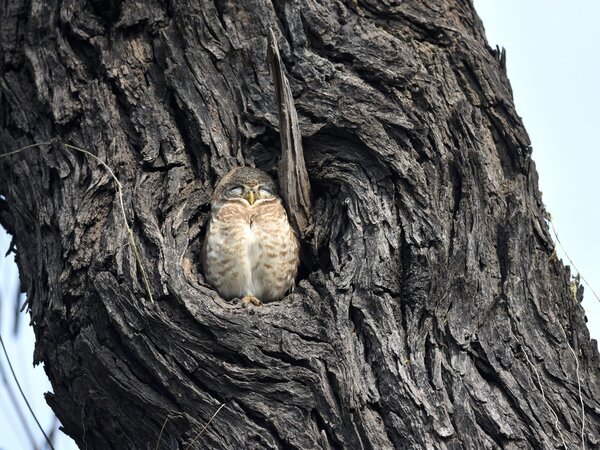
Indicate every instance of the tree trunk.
{"type": "Point", "coordinates": [431, 313]}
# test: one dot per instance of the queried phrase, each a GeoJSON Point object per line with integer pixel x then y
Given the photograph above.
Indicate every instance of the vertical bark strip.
{"type": "Point", "coordinates": [434, 316]}
{"type": "Point", "coordinates": [293, 178]}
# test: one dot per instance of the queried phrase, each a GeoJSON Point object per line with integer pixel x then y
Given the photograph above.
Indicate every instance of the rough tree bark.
{"type": "Point", "coordinates": [433, 314]}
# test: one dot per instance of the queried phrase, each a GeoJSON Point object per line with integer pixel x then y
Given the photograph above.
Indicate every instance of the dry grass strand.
{"type": "Point", "coordinates": [161, 432]}
{"type": "Point", "coordinates": [578, 388]}
{"type": "Point", "coordinates": [539, 380]}
{"type": "Point", "coordinates": [205, 427]}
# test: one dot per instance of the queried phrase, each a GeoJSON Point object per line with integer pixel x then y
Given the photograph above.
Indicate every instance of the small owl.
{"type": "Point", "coordinates": [250, 250]}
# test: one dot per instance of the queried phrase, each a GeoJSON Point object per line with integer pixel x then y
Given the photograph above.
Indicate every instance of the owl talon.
{"type": "Point", "coordinates": [250, 299]}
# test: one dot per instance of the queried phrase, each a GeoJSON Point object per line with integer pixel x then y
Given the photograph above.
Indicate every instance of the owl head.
{"type": "Point", "coordinates": [247, 185]}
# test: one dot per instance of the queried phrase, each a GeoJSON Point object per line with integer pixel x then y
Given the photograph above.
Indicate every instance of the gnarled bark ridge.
{"type": "Point", "coordinates": [434, 315]}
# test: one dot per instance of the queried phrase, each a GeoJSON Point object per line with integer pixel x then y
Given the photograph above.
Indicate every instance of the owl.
{"type": "Point", "coordinates": [250, 250]}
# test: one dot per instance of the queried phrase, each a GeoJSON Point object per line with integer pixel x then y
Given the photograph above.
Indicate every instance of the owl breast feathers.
{"type": "Point", "coordinates": [250, 249]}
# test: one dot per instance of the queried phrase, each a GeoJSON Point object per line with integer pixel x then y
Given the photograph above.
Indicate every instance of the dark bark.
{"type": "Point", "coordinates": [434, 308]}
{"type": "Point", "coordinates": [293, 178]}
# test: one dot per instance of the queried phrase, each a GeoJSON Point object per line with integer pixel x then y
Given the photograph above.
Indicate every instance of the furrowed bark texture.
{"type": "Point", "coordinates": [433, 313]}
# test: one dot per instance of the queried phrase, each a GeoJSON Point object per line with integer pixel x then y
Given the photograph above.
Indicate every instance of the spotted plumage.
{"type": "Point", "coordinates": [250, 250]}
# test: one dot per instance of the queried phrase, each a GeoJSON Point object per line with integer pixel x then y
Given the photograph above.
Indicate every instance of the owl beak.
{"type": "Point", "coordinates": [250, 197]}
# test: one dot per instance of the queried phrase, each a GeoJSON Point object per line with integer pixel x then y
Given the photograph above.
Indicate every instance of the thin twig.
{"type": "Point", "coordinates": [578, 388]}
{"type": "Point", "coordinates": [569, 258]}
{"type": "Point", "coordinates": [23, 394]}
{"type": "Point", "coordinates": [205, 427]}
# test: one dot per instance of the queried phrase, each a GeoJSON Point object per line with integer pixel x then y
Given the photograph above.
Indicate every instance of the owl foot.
{"type": "Point", "coordinates": [250, 299]}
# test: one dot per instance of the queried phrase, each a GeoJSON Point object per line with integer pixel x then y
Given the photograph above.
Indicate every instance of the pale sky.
{"type": "Point", "coordinates": [33, 380]}
{"type": "Point", "coordinates": [554, 67]}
